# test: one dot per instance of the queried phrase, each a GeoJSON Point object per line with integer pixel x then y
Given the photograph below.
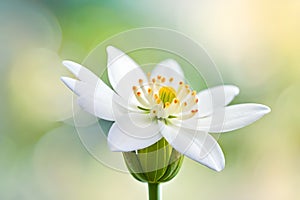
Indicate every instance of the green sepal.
{"type": "Point", "coordinates": [157, 163]}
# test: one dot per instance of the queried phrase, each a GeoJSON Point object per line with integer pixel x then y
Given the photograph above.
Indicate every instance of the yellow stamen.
{"type": "Point", "coordinates": [167, 94]}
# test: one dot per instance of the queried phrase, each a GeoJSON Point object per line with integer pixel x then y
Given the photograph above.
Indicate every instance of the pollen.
{"type": "Point", "coordinates": [167, 94]}
{"type": "Point", "coordinates": [162, 101]}
{"type": "Point", "coordinates": [176, 101]}
{"type": "Point", "coordinates": [194, 111]}
{"type": "Point", "coordinates": [167, 104]}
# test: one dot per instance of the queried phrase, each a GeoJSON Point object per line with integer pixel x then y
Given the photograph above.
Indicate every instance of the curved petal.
{"type": "Point", "coordinates": [137, 125]}
{"type": "Point", "coordinates": [122, 70]}
{"type": "Point", "coordinates": [119, 140]}
{"type": "Point", "coordinates": [229, 118]}
{"type": "Point", "coordinates": [197, 145]}
{"type": "Point", "coordinates": [95, 96]}
{"type": "Point", "coordinates": [170, 69]}
{"type": "Point", "coordinates": [214, 98]}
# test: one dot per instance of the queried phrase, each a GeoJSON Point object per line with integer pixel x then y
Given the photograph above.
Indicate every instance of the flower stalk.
{"type": "Point", "coordinates": [154, 191]}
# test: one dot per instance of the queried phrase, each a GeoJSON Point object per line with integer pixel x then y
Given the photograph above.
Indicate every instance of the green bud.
{"type": "Point", "coordinates": [157, 163]}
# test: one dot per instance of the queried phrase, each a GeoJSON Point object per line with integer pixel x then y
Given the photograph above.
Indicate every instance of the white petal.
{"type": "Point", "coordinates": [229, 118]}
{"type": "Point", "coordinates": [122, 70]}
{"type": "Point", "coordinates": [169, 69]}
{"type": "Point", "coordinates": [119, 140]}
{"type": "Point", "coordinates": [95, 96]}
{"type": "Point", "coordinates": [138, 125]}
{"type": "Point", "coordinates": [81, 72]}
{"type": "Point", "coordinates": [197, 145]}
{"type": "Point", "coordinates": [214, 98]}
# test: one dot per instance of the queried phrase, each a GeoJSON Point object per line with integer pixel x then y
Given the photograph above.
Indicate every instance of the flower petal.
{"type": "Point", "coordinates": [214, 98]}
{"type": "Point", "coordinates": [81, 72]}
{"type": "Point", "coordinates": [95, 96]}
{"type": "Point", "coordinates": [122, 69]}
{"type": "Point", "coordinates": [135, 123]}
{"type": "Point", "coordinates": [118, 140]}
{"type": "Point", "coordinates": [229, 118]}
{"type": "Point", "coordinates": [170, 69]}
{"type": "Point", "coordinates": [197, 145]}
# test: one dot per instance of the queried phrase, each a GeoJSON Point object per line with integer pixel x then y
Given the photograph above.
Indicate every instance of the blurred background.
{"type": "Point", "coordinates": [254, 43]}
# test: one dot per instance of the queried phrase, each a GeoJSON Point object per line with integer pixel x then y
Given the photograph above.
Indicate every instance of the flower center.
{"type": "Point", "coordinates": [166, 95]}
{"type": "Point", "coordinates": [163, 102]}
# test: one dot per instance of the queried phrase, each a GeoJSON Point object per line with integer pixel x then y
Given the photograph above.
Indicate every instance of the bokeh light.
{"type": "Point", "coordinates": [255, 44]}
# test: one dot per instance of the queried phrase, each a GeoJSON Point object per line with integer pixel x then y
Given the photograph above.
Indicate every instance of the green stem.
{"type": "Point", "coordinates": [154, 192]}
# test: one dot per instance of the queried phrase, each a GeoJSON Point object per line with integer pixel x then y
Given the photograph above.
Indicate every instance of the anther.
{"type": "Point", "coordinates": [167, 104]}
{"type": "Point", "coordinates": [171, 79]}
{"type": "Point", "coordinates": [176, 101]}
{"type": "Point", "coordinates": [140, 81]}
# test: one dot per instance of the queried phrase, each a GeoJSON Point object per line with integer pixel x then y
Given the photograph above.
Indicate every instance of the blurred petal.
{"type": "Point", "coordinates": [122, 69]}
{"type": "Point", "coordinates": [229, 118]}
{"type": "Point", "coordinates": [169, 69]}
{"type": "Point", "coordinates": [118, 140]}
{"type": "Point", "coordinates": [95, 96]}
{"type": "Point", "coordinates": [197, 145]}
{"type": "Point", "coordinates": [214, 98]}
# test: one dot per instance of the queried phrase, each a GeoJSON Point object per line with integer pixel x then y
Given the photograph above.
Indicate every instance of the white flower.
{"type": "Point", "coordinates": [146, 108]}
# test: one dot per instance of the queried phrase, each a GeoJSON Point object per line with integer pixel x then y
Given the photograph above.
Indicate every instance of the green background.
{"type": "Point", "coordinates": [254, 43]}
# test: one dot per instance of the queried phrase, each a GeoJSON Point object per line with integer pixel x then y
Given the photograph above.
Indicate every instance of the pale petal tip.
{"type": "Point", "coordinates": [217, 165]}
{"type": "Point", "coordinates": [69, 82]}
{"type": "Point", "coordinates": [235, 89]}
{"type": "Point", "coordinates": [112, 50]}
{"type": "Point", "coordinates": [267, 109]}
{"type": "Point", "coordinates": [220, 167]}
{"type": "Point", "coordinates": [73, 67]}
{"type": "Point", "coordinates": [112, 53]}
